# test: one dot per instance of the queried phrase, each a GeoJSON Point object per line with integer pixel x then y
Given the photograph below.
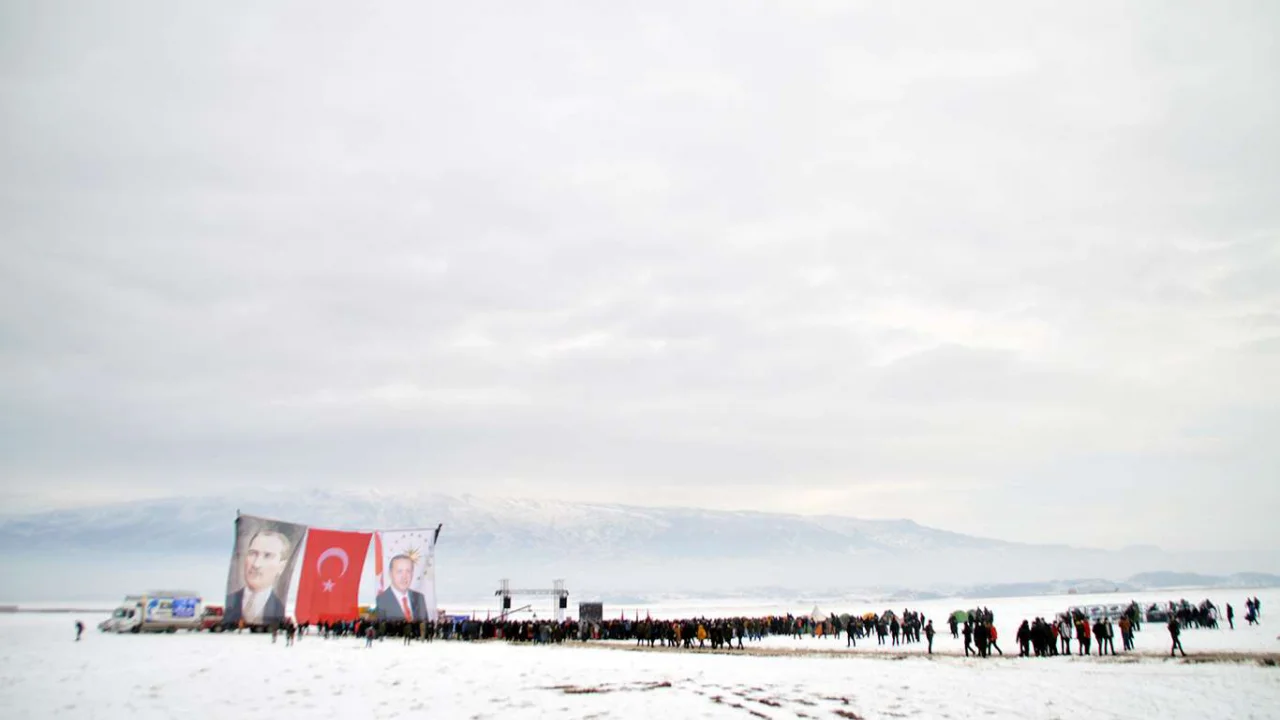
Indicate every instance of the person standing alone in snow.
{"type": "Point", "coordinates": [1174, 632]}
{"type": "Point", "coordinates": [928, 633]}
{"type": "Point", "coordinates": [79, 630]}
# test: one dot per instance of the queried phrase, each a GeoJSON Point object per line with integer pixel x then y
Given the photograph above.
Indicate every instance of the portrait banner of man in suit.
{"type": "Point", "coordinates": [261, 570]}
{"type": "Point", "coordinates": [404, 561]}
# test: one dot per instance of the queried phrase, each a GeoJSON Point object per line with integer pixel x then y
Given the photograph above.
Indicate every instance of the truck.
{"type": "Point", "coordinates": [211, 618]}
{"type": "Point", "coordinates": [156, 611]}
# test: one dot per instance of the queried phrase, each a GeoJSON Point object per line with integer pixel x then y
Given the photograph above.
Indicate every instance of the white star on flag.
{"type": "Point", "coordinates": [328, 586]}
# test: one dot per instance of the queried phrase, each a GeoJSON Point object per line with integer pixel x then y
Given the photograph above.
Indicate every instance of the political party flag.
{"type": "Point", "coordinates": [329, 589]}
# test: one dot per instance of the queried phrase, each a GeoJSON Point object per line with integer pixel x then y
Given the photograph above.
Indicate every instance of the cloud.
{"type": "Point", "coordinates": [826, 258]}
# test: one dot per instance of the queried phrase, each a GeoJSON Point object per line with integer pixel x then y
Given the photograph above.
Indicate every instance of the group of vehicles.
{"type": "Point", "coordinates": [1204, 613]}
{"type": "Point", "coordinates": [171, 611]}
{"type": "Point", "coordinates": [163, 611]}
{"type": "Point", "coordinates": [1113, 611]}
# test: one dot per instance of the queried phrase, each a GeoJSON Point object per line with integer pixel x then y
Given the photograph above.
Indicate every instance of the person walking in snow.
{"type": "Point", "coordinates": [968, 639]}
{"type": "Point", "coordinates": [368, 636]}
{"type": "Point", "coordinates": [928, 633]}
{"type": "Point", "coordinates": [982, 639]}
{"type": "Point", "coordinates": [991, 639]}
{"type": "Point", "coordinates": [1231, 616]}
{"type": "Point", "coordinates": [1175, 632]}
{"type": "Point", "coordinates": [79, 630]}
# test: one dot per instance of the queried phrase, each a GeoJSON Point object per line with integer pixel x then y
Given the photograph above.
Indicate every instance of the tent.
{"type": "Point", "coordinates": [960, 616]}
{"type": "Point", "coordinates": [817, 615]}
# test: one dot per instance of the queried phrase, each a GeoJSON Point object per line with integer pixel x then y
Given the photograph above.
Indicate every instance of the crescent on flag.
{"type": "Point", "coordinates": [333, 552]}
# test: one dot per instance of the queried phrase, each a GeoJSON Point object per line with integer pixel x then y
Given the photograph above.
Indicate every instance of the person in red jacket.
{"type": "Point", "coordinates": [992, 630]}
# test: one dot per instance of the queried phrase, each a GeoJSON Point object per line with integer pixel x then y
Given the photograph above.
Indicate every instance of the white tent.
{"type": "Point", "coordinates": [817, 615]}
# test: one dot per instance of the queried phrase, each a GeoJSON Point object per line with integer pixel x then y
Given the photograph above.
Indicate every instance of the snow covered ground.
{"type": "Point", "coordinates": [43, 674]}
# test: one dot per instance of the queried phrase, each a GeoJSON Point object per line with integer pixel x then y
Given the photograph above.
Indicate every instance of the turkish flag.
{"type": "Point", "coordinates": [329, 589]}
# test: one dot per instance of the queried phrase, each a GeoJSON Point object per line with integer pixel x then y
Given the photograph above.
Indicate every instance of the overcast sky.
{"type": "Point", "coordinates": [1010, 269]}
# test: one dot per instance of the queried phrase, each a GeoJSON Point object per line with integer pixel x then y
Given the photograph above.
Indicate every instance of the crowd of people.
{"type": "Point", "coordinates": [1254, 607]}
{"type": "Point", "coordinates": [1036, 637]}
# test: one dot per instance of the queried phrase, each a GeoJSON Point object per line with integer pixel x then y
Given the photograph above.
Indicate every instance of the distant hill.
{"type": "Point", "coordinates": [1165, 579]}
{"type": "Point", "coordinates": [614, 549]}
{"type": "Point", "coordinates": [476, 526]}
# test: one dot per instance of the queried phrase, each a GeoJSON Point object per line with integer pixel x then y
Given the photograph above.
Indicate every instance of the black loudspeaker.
{"type": "Point", "coordinates": [506, 602]}
{"type": "Point", "coordinates": [564, 602]}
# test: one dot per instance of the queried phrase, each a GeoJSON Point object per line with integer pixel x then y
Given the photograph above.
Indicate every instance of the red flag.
{"type": "Point", "coordinates": [329, 588]}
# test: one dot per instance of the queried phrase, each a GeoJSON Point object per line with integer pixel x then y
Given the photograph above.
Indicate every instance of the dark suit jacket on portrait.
{"type": "Point", "coordinates": [388, 608]}
{"type": "Point", "coordinates": [273, 612]}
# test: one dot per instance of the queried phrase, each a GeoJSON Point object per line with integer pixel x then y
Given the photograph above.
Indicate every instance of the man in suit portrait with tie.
{"type": "Point", "coordinates": [399, 602]}
{"type": "Point", "coordinates": [256, 603]}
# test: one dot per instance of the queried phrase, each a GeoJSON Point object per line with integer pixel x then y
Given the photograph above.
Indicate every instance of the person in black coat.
{"type": "Point", "coordinates": [1175, 632]}
{"type": "Point", "coordinates": [272, 611]}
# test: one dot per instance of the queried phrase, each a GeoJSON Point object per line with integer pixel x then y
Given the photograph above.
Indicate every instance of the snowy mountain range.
{"type": "Point", "coordinates": [480, 526]}
{"type": "Point", "coordinates": [606, 548]}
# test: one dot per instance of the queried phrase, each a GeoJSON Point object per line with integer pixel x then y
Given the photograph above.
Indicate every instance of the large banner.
{"type": "Point", "coordinates": [405, 561]}
{"type": "Point", "coordinates": [329, 588]}
{"type": "Point", "coordinates": [170, 607]}
{"type": "Point", "coordinates": [261, 570]}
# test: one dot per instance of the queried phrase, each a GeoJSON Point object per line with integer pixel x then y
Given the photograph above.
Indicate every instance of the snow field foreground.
{"type": "Point", "coordinates": [44, 674]}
